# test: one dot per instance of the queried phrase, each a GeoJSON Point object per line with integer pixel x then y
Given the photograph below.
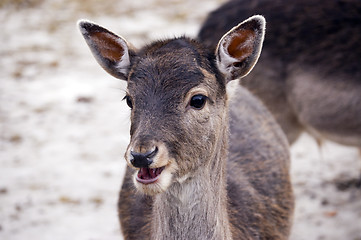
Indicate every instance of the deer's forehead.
{"type": "Point", "coordinates": [172, 68]}
{"type": "Point", "coordinates": [165, 74]}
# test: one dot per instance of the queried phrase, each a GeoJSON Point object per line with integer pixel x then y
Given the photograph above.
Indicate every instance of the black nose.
{"type": "Point", "coordinates": [142, 160]}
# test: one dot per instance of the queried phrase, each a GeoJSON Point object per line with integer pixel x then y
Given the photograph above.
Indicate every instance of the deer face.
{"type": "Point", "coordinates": [177, 95]}
{"type": "Point", "coordinates": [176, 102]}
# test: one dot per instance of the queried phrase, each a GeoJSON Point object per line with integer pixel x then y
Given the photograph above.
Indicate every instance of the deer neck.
{"type": "Point", "coordinates": [196, 208]}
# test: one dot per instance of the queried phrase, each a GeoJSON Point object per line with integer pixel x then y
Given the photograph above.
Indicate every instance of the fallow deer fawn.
{"type": "Point", "coordinates": [190, 183]}
{"type": "Point", "coordinates": [309, 74]}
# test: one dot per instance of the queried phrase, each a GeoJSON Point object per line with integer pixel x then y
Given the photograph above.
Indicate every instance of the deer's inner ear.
{"type": "Point", "coordinates": [241, 45]}
{"type": "Point", "coordinates": [108, 46]}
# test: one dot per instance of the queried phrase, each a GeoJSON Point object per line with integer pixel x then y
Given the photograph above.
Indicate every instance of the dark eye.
{"type": "Point", "coordinates": [129, 101]}
{"type": "Point", "coordinates": [198, 101]}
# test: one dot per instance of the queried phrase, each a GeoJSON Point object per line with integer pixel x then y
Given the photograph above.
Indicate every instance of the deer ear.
{"type": "Point", "coordinates": [110, 50]}
{"type": "Point", "coordinates": [239, 49]}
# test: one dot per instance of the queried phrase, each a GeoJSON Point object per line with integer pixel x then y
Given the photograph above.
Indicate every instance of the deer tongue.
{"type": "Point", "coordinates": [149, 175]}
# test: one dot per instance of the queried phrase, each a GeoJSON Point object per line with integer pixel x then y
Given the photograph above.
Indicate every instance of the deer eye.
{"type": "Point", "coordinates": [198, 101]}
{"type": "Point", "coordinates": [129, 101]}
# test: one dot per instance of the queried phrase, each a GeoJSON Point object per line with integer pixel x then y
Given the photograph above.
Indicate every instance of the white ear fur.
{"type": "Point", "coordinates": [110, 51]}
{"type": "Point", "coordinates": [247, 51]}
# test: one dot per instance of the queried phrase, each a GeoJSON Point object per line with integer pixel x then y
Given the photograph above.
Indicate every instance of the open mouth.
{"type": "Point", "coordinates": [149, 175]}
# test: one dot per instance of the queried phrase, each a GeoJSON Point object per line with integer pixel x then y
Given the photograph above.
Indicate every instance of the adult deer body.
{"type": "Point", "coordinates": [192, 183]}
{"type": "Point", "coordinates": [309, 73]}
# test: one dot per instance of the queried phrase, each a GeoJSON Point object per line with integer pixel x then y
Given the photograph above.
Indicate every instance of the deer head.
{"type": "Point", "coordinates": [177, 95]}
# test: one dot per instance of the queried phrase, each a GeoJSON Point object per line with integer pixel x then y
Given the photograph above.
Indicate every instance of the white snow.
{"type": "Point", "coordinates": [64, 128]}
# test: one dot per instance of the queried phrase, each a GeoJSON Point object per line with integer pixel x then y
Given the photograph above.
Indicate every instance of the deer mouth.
{"type": "Point", "coordinates": [149, 175]}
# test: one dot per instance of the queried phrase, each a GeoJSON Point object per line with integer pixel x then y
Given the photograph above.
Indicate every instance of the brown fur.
{"type": "Point", "coordinates": [209, 188]}
{"type": "Point", "coordinates": [309, 73]}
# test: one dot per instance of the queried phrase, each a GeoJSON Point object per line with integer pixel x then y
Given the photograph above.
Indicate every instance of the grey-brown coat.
{"type": "Point", "coordinates": [192, 184]}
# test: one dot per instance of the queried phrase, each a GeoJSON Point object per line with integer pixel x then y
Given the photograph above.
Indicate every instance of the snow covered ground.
{"type": "Point", "coordinates": [64, 128]}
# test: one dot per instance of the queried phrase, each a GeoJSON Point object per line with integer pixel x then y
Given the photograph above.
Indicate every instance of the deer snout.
{"type": "Point", "coordinates": [154, 166]}
{"type": "Point", "coordinates": [143, 160]}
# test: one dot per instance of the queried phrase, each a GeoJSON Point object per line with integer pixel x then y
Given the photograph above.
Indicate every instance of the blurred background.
{"type": "Point", "coordinates": [64, 128]}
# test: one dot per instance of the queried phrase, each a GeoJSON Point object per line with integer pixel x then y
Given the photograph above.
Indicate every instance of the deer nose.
{"type": "Point", "coordinates": [143, 160]}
